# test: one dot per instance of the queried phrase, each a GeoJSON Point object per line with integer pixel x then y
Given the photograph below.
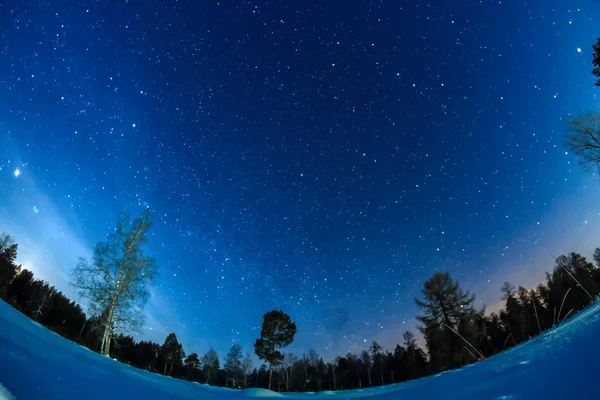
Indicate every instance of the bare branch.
{"type": "Point", "coordinates": [583, 139]}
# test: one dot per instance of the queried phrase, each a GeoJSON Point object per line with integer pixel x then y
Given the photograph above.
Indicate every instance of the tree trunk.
{"type": "Point", "coordinates": [82, 327]}
{"type": "Point", "coordinates": [171, 368]}
{"type": "Point", "coordinates": [334, 380]}
{"type": "Point", "coordinates": [108, 324]}
{"type": "Point", "coordinates": [165, 369]}
{"type": "Point", "coordinates": [270, 374]}
{"type": "Point", "coordinates": [103, 340]}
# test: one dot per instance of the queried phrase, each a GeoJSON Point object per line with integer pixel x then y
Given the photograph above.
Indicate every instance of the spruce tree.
{"type": "Point", "coordinates": [171, 353]}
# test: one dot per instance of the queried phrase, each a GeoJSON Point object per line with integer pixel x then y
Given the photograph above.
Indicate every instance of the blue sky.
{"type": "Point", "coordinates": [320, 159]}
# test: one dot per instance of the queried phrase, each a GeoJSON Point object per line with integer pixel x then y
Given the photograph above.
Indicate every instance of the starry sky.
{"type": "Point", "coordinates": [319, 157]}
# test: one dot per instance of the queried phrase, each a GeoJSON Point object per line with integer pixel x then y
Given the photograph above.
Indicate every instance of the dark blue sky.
{"type": "Point", "coordinates": [324, 158]}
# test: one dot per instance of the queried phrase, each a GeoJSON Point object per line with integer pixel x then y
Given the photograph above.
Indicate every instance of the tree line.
{"type": "Point", "coordinates": [455, 332]}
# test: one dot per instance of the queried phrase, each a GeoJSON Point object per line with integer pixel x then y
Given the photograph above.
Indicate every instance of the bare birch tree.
{"type": "Point", "coordinates": [39, 299]}
{"type": "Point", "coordinates": [118, 280]}
{"type": "Point", "coordinates": [288, 366]}
{"type": "Point", "coordinates": [246, 367]}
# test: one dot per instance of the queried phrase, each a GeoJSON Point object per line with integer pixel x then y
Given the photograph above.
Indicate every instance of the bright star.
{"type": "Point", "coordinates": [17, 172]}
{"type": "Point", "coordinates": [579, 49]}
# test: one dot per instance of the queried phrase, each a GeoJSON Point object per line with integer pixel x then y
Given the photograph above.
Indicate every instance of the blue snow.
{"type": "Point", "coordinates": [562, 363]}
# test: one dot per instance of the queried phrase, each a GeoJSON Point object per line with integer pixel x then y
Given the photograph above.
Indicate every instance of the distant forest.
{"type": "Point", "coordinates": [455, 332]}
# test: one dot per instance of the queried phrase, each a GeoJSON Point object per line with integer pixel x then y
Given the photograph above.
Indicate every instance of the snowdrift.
{"type": "Point", "coordinates": [563, 363]}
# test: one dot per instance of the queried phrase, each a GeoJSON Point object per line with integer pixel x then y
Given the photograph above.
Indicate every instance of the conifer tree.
{"type": "Point", "coordinates": [171, 353]}
{"type": "Point", "coordinates": [8, 256]}
{"type": "Point", "coordinates": [447, 312]}
{"type": "Point", "coordinates": [277, 331]}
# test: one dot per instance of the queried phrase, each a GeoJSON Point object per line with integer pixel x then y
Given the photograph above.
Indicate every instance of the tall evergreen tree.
{"type": "Point", "coordinates": [447, 310]}
{"type": "Point", "coordinates": [8, 256]}
{"type": "Point", "coordinates": [415, 359]}
{"type": "Point", "coordinates": [19, 289]}
{"type": "Point", "coordinates": [192, 367]}
{"type": "Point", "coordinates": [117, 281]}
{"type": "Point", "coordinates": [171, 353]}
{"type": "Point", "coordinates": [596, 61]}
{"type": "Point", "coordinates": [377, 357]}
{"type": "Point", "coordinates": [277, 331]}
{"type": "Point", "coordinates": [366, 360]}
{"type": "Point", "coordinates": [146, 355]}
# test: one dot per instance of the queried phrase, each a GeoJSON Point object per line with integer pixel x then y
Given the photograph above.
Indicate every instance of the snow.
{"type": "Point", "coordinates": [559, 364]}
{"type": "Point", "coordinates": [5, 394]}
{"type": "Point", "coordinates": [259, 392]}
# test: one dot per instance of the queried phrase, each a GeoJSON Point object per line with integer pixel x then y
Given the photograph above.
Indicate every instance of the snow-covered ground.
{"type": "Point", "coordinates": [563, 363]}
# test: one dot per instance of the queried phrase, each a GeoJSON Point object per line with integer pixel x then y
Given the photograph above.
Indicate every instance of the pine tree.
{"type": "Point", "coordinates": [192, 366]}
{"type": "Point", "coordinates": [19, 289]}
{"type": "Point", "coordinates": [596, 61]}
{"type": "Point", "coordinates": [447, 310]}
{"type": "Point", "coordinates": [8, 268]}
{"type": "Point", "coordinates": [377, 357]}
{"type": "Point", "coordinates": [597, 257]}
{"type": "Point", "coordinates": [171, 353]}
{"type": "Point", "coordinates": [366, 360]}
{"type": "Point", "coordinates": [277, 331]}
{"type": "Point", "coordinates": [192, 361]}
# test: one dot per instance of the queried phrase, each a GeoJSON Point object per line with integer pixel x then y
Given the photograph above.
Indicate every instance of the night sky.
{"type": "Point", "coordinates": [319, 157]}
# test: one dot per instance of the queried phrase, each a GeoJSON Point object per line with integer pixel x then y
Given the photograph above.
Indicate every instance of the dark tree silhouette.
{"type": "Point", "coordinates": [596, 61]}
{"type": "Point", "coordinates": [233, 364]}
{"type": "Point", "coordinates": [192, 367]}
{"type": "Point", "coordinates": [448, 312]}
{"type": "Point", "coordinates": [583, 139]}
{"type": "Point", "coordinates": [277, 331]}
{"type": "Point", "coordinates": [171, 353]}
{"type": "Point", "coordinates": [8, 256]}
{"type": "Point", "coordinates": [210, 362]}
